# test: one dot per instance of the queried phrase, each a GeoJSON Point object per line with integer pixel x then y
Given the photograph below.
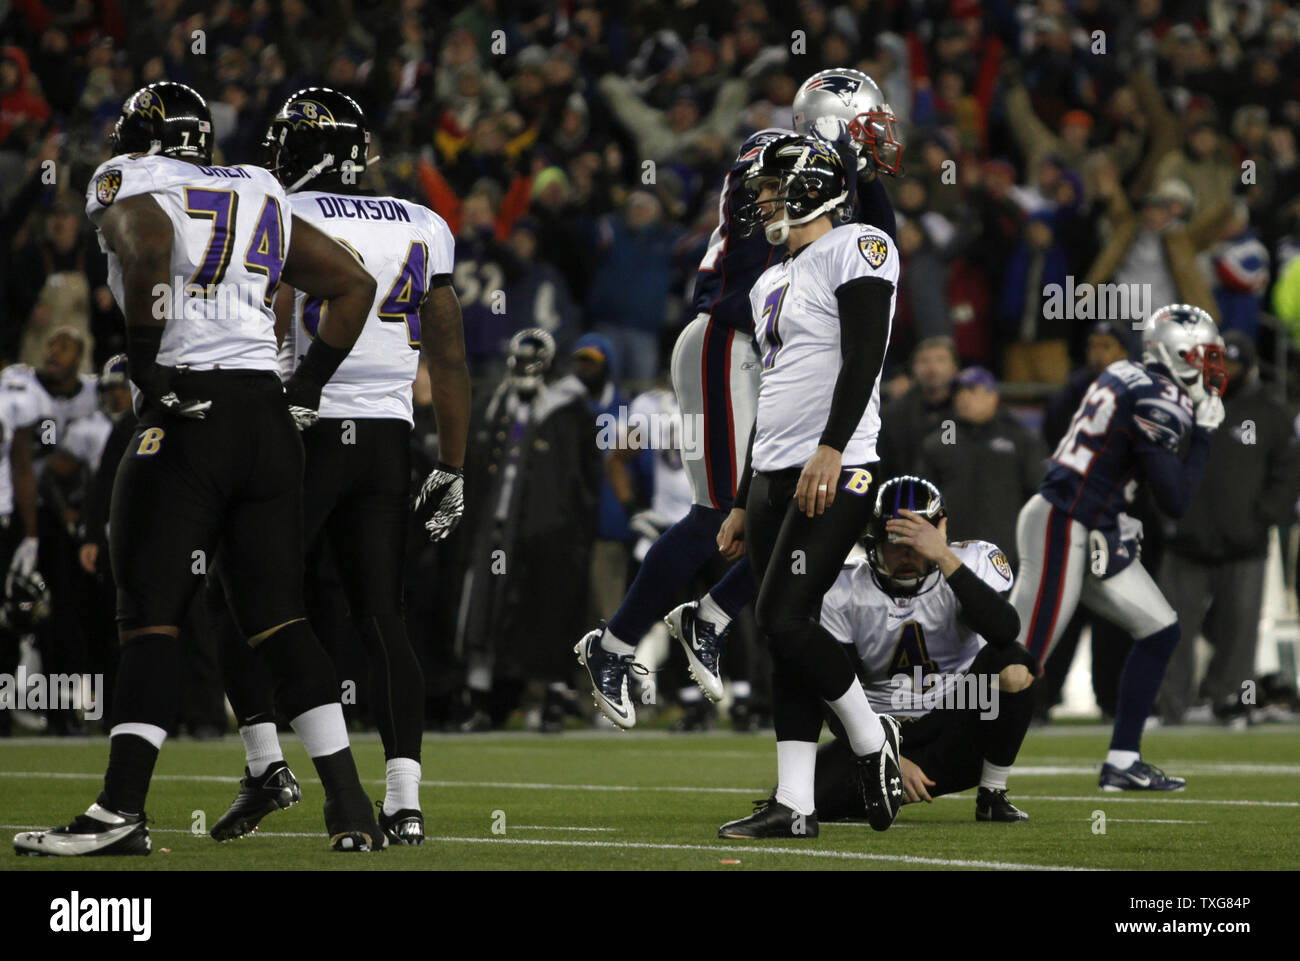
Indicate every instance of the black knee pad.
{"type": "Point", "coordinates": [300, 669]}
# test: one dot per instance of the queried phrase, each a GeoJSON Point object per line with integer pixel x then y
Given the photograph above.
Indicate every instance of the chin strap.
{"type": "Point", "coordinates": [326, 162]}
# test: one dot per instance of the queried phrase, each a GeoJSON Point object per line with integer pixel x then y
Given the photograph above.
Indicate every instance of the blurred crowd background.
{"type": "Point", "coordinates": [576, 150]}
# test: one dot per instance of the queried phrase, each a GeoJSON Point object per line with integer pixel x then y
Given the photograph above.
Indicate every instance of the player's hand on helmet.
{"type": "Point", "coordinates": [303, 398]}
{"type": "Point", "coordinates": [816, 489]}
{"type": "Point", "coordinates": [915, 781]}
{"type": "Point", "coordinates": [1209, 412]}
{"type": "Point", "coordinates": [731, 535]}
{"type": "Point", "coordinates": [836, 132]}
{"type": "Point", "coordinates": [441, 501]}
{"type": "Point", "coordinates": [918, 533]}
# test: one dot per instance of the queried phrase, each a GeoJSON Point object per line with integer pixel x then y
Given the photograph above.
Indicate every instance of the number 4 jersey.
{"type": "Point", "coordinates": [895, 635]}
{"type": "Point", "coordinates": [1131, 414]}
{"type": "Point", "coordinates": [403, 246]}
{"type": "Point", "coordinates": [230, 232]}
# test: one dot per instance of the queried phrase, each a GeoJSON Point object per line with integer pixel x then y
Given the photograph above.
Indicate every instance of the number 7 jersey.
{"type": "Point", "coordinates": [230, 232]}
{"type": "Point", "coordinates": [404, 246]}
{"type": "Point", "coordinates": [1129, 411]}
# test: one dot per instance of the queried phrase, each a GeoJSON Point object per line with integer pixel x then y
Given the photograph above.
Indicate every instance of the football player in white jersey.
{"type": "Point", "coordinates": [822, 317]}
{"type": "Point", "coordinates": [926, 619]}
{"type": "Point", "coordinates": [358, 472]}
{"type": "Point", "coordinates": [195, 253]}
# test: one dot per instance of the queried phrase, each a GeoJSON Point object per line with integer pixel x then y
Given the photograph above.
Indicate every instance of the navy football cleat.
{"type": "Point", "coordinates": [771, 820]}
{"type": "Point", "coordinates": [275, 790]}
{"type": "Point", "coordinates": [702, 644]}
{"type": "Point", "coordinates": [609, 678]}
{"type": "Point", "coordinates": [97, 832]}
{"type": "Point", "coordinates": [881, 778]}
{"type": "Point", "coordinates": [992, 805]}
{"type": "Point", "coordinates": [1138, 776]}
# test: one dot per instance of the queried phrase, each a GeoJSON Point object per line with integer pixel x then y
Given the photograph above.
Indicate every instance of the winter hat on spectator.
{"type": "Point", "coordinates": [1172, 190]}
{"type": "Point", "coordinates": [548, 176]}
{"type": "Point", "coordinates": [977, 377]}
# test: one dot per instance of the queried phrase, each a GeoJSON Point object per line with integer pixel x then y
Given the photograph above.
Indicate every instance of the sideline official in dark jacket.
{"type": "Point", "coordinates": [986, 463]}
{"type": "Point", "coordinates": [1214, 564]}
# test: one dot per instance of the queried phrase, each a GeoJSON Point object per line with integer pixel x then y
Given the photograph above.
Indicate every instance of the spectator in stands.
{"type": "Point", "coordinates": [1213, 570]}
{"type": "Point", "coordinates": [905, 422]}
{"type": "Point", "coordinates": [1106, 344]}
{"type": "Point", "coordinates": [987, 463]}
{"type": "Point", "coordinates": [1238, 265]}
{"type": "Point", "coordinates": [1037, 339]}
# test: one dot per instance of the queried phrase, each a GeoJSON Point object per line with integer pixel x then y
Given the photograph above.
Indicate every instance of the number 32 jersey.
{"type": "Point", "coordinates": [1130, 412]}
{"type": "Point", "coordinates": [230, 232]}
{"type": "Point", "coordinates": [895, 635]}
{"type": "Point", "coordinates": [403, 246]}
{"type": "Point", "coordinates": [797, 329]}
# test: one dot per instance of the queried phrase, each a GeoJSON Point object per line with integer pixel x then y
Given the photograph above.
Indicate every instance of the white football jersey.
{"type": "Point", "coordinates": [657, 418]}
{"type": "Point", "coordinates": [85, 438]}
{"type": "Point", "coordinates": [403, 245]}
{"type": "Point", "coordinates": [24, 402]}
{"type": "Point", "coordinates": [230, 234]}
{"type": "Point", "coordinates": [894, 635]}
{"type": "Point", "coordinates": [797, 328]}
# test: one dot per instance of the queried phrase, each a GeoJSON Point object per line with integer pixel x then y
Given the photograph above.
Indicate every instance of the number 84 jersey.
{"type": "Point", "coordinates": [404, 246]}
{"type": "Point", "coordinates": [230, 232]}
{"type": "Point", "coordinates": [1131, 411]}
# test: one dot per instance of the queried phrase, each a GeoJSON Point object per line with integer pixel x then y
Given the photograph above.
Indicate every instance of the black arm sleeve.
{"type": "Point", "coordinates": [874, 207]}
{"type": "Point", "coordinates": [864, 335]}
{"type": "Point", "coordinates": [983, 609]}
{"type": "Point", "coordinates": [742, 489]}
{"type": "Point", "coordinates": [1174, 482]}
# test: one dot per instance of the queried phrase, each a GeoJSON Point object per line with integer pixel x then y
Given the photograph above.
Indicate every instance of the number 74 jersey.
{"type": "Point", "coordinates": [230, 232]}
{"type": "Point", "coordinates": [403, 246]}
{"type": "Point", "coordinates": [1129, 411]}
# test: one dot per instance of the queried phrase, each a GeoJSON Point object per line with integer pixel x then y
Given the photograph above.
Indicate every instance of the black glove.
{"type": "Point", "coordinates": [302, 389]}
{"type": "Point", "coordinates": [441, 500]}
{"type": "Point", "coordinates": [155, 379]}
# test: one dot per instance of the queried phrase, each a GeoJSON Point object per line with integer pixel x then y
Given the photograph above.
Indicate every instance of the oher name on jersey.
{"type": "Point", "coordinates": [403, 245]}
{"type": "Point", "coordinates": [1128, 410]}
{"type": "Point", "coordinates": [797, 328]}
{"type": "Point", "coordinates": [896, 635]}
{"type": "Point", "coordinates": [230, 233]}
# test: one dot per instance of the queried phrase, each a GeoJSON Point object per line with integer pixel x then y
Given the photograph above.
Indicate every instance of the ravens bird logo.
{"type": "Point", "coordinates": [107, 185]}
{"type": "Point", "coordinates": [307, 113]}
{"type": "Point", "coordinates": [149, 104]}
{"type": "Point", "coordinates": [874, 250]}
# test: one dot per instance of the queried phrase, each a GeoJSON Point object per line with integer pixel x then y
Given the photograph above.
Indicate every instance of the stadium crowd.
{"type": "Point", "coordinates": [576, 151]}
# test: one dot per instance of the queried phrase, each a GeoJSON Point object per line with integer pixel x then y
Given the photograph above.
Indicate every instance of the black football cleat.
{"type": "Point", "coordinates": [99, 831]}
{"type": "Point", "coordinates": [404, 827]}
{"type": "Point", "coordinates": [351, 824]}
{"type": "Point", "coordinates": [992, 805]}
{"type": "Point", "coordinates": [770, 820]}
{"type": "Point", "coordinates": [882, 779]}
{"type": "Point", "coordinates": [275, 790]}
{"type": "Point", "coordinates": [1138, 776]}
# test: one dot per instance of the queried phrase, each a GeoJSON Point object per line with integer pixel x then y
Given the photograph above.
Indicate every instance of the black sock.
{"type": "Point", "coordinates": [147, 691]}
{"type": "Point", "coordinates": [130, 767]}
{"type": "Point", "coordinates": [1001, 736]}
{"type": "Point", "coordinates": [338, 774]}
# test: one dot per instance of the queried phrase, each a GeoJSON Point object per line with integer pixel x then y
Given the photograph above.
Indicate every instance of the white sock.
{"type": "Point", "coordinates": [994, 776]}
{"type": "Point", "coordinates": [322, 729]}
{"type": "Point", "coordinates": [613, 645]}
{"type": "Point", "coordinates": [402, 788]}
{"type": "Point", "coordinates": [261, 747]}
{"type": "Point", "coordinates": [866, 733]}
{"type": "Point", "coordinates": [796, 771]}
{"type": "Point", "coordinates": [1122, 759]}
{"type": "Point", "coordinates": [710, 611]}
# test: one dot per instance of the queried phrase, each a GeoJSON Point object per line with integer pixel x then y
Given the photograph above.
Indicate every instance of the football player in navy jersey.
{"type": "Point", "coordinates": [715, 370]}
{"type": "Point", "coordinates": [1147, 422]}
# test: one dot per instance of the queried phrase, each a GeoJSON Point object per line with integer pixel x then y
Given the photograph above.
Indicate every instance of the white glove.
{"type": "Point", "coordinates": [24, 559]}
{"type": "Point", "coordinates": [1209, 412]}
{"type": "Point", "coordinates": [441, 500]}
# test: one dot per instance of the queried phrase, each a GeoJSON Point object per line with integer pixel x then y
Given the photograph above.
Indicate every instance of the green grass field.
{"type": "Point", "coordinates": [647, 801]}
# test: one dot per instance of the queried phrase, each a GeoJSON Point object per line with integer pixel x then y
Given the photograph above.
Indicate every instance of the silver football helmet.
{"type": "Point", "coordinates": [1185, 339]}
{"type": "Point", "coordinates": [846, 99]}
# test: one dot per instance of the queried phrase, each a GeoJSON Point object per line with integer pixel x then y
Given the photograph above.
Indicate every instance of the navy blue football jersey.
{"type": "Point", "coordinates": [732, 263]}
{"type": "Point", "coordinates": [1130, 413]}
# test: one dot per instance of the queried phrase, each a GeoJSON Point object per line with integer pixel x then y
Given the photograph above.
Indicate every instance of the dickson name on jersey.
{"type": "Point", "coordinates": [797, 329]}
{"type": "Point", "coordinates": [404, 246]}
{"type": "Point", "coordinates": [895, 635]}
